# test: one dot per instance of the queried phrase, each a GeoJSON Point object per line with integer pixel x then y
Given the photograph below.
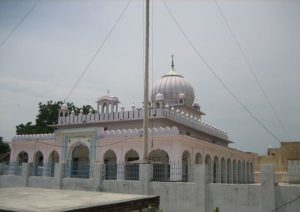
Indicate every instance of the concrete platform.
{"type": "Point", "coordinates": [38, 199]}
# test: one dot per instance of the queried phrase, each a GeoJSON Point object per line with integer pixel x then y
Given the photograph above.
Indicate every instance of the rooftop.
{"type": "Point", "coordinates": [30, 199]}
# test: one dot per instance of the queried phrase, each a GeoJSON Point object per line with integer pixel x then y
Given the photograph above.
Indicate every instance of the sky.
{"type": "Point", "coordinates": [49, 50]}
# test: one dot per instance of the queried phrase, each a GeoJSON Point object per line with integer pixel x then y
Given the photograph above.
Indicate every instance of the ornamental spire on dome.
{"type": "Point", "coordinates": [172, 64]}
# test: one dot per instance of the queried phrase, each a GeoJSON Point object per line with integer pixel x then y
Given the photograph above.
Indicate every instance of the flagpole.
{"type": "Point", "coordinates": [146, 85]}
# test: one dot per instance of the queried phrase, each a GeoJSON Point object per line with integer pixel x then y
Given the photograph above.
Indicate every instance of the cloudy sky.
{"type": "Point", "coordinates": [49, 50]}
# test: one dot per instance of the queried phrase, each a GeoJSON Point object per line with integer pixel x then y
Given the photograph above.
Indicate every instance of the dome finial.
{"type": "Point", "coordinates": [172, 64]}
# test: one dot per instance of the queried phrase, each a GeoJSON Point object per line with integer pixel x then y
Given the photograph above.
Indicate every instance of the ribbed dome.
{"type": "Point", "coordinates": [173, 86]}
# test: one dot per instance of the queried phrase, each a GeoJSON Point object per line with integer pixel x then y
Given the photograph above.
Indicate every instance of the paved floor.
{"type": "Point", "coordinates": [38, 199]}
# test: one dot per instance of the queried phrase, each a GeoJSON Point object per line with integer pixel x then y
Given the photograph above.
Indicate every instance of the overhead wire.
{"type": "Point", "coordinates": [98, 50]}
{"type": "Point", "coordinates": [216, 75]}
{"type": "Point", "coordinates": [252, 69]}
{"type": "Point", "coordinates": [287, 203]}
{"type": "Point", "coordinates": [19, 23]}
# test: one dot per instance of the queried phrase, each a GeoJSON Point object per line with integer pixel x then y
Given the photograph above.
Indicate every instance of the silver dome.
{"type": "Point", "coordinates": [172, 86]}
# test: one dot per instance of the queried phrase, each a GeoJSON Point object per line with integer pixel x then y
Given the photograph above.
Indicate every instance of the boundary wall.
{"type": "Point", "coordinates": [199, 195]}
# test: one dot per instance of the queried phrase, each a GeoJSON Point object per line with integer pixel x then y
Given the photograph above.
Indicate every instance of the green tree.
{"type": "Point", "coordinates": [47, 115]}
{"type": "Point", "coordinates": [4, 147]}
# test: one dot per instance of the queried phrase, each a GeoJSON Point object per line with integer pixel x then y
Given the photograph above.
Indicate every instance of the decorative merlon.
{"type": "Point", "coordinates": [34, 137]}
{"type": "Point", "coordinates": [167, 131]}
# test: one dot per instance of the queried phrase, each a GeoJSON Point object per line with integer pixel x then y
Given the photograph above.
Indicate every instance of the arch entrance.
{"type": "Point", "coordinates": [110, 160]}
{"type": "Point", "coordinates": [161, 167]}
{"type": "Point", "coordinates": [52, 160]}
{"type": "Point", "coordinates": [186, 164]}
{"type": "Point", "coordinates": [80, 166]}
{"type": "Point", "coordinates": [22, 157]}
{"type": "Point", "coordinates": [131, 167]}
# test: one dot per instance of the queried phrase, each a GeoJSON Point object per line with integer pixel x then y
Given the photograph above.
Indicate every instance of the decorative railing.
{"type": "Point", "coordinates": [74, 169]}
{"type": "Point", "coordinates": [46, 170]}
{"type": "Point", "coordinates": [137, 114]}
{"type": "Point", "coordinates": [128, 171]}
{"type": "Point", "coordinates": [11, 168]}
{"type": "Point", "coordinates": [173, 172]}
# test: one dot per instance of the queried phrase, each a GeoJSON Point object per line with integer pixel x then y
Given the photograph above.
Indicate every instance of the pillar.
{"type": "Point", "coordinates": [59, 174]}
{"type": "Point", "coordinates": [267, 188]}
{"type": "Point", "coordinates": [145, 177]}
{"type": "Point", "coordinates": [201, 189]}
{"type": "Point", "coordinates": [25, 173]}
{"type": "Point", "coordinates": [98, 175]}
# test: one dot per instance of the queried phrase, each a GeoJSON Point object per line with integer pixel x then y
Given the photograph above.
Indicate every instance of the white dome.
{"type": "Point", "coordinates": [159, 97]}
{"type": "Point", "coordinates": [174, 87]}
{"type": "Point", "coordinates": [64, 107]}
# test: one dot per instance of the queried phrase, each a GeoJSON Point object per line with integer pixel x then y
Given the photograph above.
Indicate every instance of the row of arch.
{"type": "Point", "coordinates": [38, 158]}
{"type": "Point", "coordinates": [219, 169]}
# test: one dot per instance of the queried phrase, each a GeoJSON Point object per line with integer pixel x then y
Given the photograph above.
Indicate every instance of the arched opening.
{"type": "Point", "coordinates": [234, 167]}
{"type": "Point", "coordinates": [36, 168]}
{"type": "Point", "coordinates": [247, 172]}
{"type": "Point", "coordinates": [198, 158]}
{"type": "Point", "coordinates": [243, 172]}
{"type": "Point", "coordinates": [251, 173]}
{"type": "Point", "coordinates": [22, 157]}
{"type": "Point", "coordinates": [53, 157]}
{"type": "Point", "coordinates": [208, 167]}
{"type": "Point", "coordinates": [110, 160]}
{"type": "Point", "coordinates": [239, 170]}
{"type": "Point", "coordinates": [104, 108]}
{"type": "Point", "coordinates": [216, 171]}
{"type": "Point", "coordinates": [223, 173]}
{"type": "Point", "coordinates": [186, 166]}
{"type": "Point", "coordinates": [229, 172]}
{"type": "Point", "coordinates": [131, 167]}
{"type": "Point", "coordinates": [159, 156]}
{"type": "Point", "coordinates": [52, 160]}
{"type": "Point", "coordinates": [131, 155]}
{"type": "Point", "coordinates": [80, 166]}
{"type": "Point", "coordinates": [161, 167]}
{"type": "Point", "coordinates": [38, 158]}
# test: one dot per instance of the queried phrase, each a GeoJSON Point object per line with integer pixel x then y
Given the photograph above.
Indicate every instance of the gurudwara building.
{"type": "Point", "coordinates": [178, 137]}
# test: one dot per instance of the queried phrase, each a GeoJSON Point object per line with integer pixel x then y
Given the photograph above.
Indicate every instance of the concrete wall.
{"type": "Point", "coordinates": [234, 197]}
{"type": "Point", "coordinates": [122, 186]}
{"type": "Point", "coordinates": [77, 184]}
{"type": "Point", "coordinates": [42, 182]}
{"type": "Point", "coordinates": [286, 193]}
{"type": "Point", "coordinates": [175, 196]}
{"type": "Point", "coordinates": [199, 195]}
{"type": "Point", "coordinates": [11, 181]}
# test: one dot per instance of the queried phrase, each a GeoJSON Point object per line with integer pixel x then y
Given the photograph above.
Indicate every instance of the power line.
{"type": "Point", "coordinates": [98, 50]}
{"type": "Point", "coordinates": [19, 23]}
{"type": "Point", "coordinates": [287, 203]}
{"type": "Point", "coordinates": [252, 70]}
{"type": "Point", "coordinates": [217, 76]}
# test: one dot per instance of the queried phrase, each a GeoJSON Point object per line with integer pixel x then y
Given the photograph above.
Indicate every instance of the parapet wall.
{"type": "Point", "coordinates": [138, 114]}
{"type": "Point", "coordinates": [35, 137]}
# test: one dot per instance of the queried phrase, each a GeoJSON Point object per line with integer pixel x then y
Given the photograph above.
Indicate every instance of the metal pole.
{"type": "Point", "coordinates": [146, 85]}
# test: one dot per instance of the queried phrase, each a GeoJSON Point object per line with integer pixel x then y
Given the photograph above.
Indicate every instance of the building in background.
{"type": "Point", "coordinates": [286, 160]}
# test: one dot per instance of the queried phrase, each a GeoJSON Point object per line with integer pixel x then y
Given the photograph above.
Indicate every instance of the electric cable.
{"type": "Point", "coordinates": [217, 76]}
{"type": "Point", "coordinates": [19, 23]}
{"type": "Point", "coordinates": [98, 50]}
{"type": "Point", "coordinates": [252, 69]}
{"type": "Point", "coordinates": [287, 203]}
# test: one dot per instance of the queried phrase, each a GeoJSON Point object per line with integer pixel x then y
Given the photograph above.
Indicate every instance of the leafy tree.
{"type": "Point", "coordinates": [47, 115]}
{"type": "Point", "coordinates": [4, 147]}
